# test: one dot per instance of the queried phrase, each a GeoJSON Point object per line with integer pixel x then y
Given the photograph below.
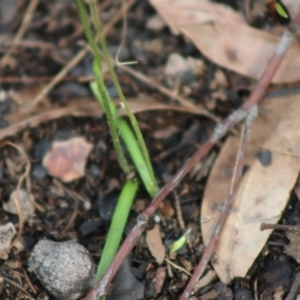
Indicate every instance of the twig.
{"type": "Point", "coordinates": [17, 286]}
{"type": "Point", "coordinates": [23, 177]}
{"type": "Point", "coordinates": [23, 27]}
{"type": "Point", "coordinates": [179, 212]}
{"type": "Point", "coordinates": [152, 83]}
{"type": "Point", "coordinates": [220, 130]}
{"type": "Point", "coordinates": [79, 56]}
{"type": "Point", "coordinates": [25, 79]}
{"type": "Point", "coordinates": [78, 108]}
{"type": "Point", "coordinates": [290, 228]}
{"type": "Point", "coordinates": [237, 174]}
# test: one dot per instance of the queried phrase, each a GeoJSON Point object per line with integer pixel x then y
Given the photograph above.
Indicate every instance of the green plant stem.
{"type": "Point", "coordinates": [137, 131]}
{"type": "Point", "coordinates": [130, 141]}
{"type": "Point", "coordinates": [117, 226]}
{"type": "Point", "coordinates": [100, 83]}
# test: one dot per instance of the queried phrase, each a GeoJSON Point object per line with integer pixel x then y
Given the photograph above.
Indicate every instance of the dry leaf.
{"type": "Point", "coordinates": [264, 190]}
{"type": "Point", "coordinates": [159, 279]}
{"type": "Point", "coordinates": [66, 160]}
{"type": "Point", "coordinates": [154, 242]}
{"type": "Point", "coordinates": [7, 232]}
{"type": "Point", "coordinates": [222, 35]}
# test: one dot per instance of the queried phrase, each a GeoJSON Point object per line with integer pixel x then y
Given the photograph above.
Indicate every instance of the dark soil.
{"type": "Point", "coordinates": [81, 210]}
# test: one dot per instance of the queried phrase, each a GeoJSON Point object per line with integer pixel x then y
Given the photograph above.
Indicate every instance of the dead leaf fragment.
{"type": "Point", "coordinates": [7, 232]}
{"type": "Point", "coordinates": [159, 279]}
{"type": "Point", "coordinates": [154, 242]}
{"type": "Point", "coordinates": [222, 35]}
{"type": "Point", "coordinates": [66, 160]}
{"type": "Point", "coordinates": [263, 192]}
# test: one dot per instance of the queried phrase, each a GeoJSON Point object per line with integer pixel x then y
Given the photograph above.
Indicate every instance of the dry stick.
{"type": "Point", "coordinates": [254, 98]}
{"type": "Point", "coordinates": [152, 83]}
{"type": "Point", "coordinates": [237, 174]}
{"type": "Point", "coordinates": [25, 79]}
{"type": "Point", "coordinates": [79, 56]}
{"type": "Point", "coordinates": [4, 278]}
{"type": "Point", "coordinates": [23, 27]}
{"type": "Point", "coordinates": [295, 229]}
{"type": "Point", "coordinates": [220, 130]}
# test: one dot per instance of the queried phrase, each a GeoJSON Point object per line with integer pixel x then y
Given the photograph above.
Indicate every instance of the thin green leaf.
{"type": "Point", "coordinates": [101, 86]}
{"type": "Point", "coordinates": [180, 242]}
{"type": "Point", "coordinates": [131, 143]}
{"type": "Point", "coordinates": [141, 143]}
{"type": "Point", "coordinates": [281, 10]}
{"type": "Point", "coordinates": [117, 226]}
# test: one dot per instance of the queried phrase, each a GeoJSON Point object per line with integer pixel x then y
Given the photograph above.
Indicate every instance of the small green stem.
{"type": "Point", "coordinates": [100, 83]}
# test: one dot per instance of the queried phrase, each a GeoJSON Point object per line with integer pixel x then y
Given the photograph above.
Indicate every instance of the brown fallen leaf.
{"type": "Point", "coordinates": [154, 242]}
{"type": "Point", "coordinates": [222, 35]}
{"type": "Point", "coordinates": [66, 160]}
{"type": "Point", "coordinates": [264, 190]}
{"type": "Point", "coordinates": [159, 279]}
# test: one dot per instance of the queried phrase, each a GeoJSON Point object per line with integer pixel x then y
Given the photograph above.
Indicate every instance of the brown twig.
{"type": "Point", "coordinates": [179, 212]}
{"type": "Point", "coordinates": [23, 27]}
{"type": "Point", "coordinates": [290, 228]}
{"type": "Point", "coordinates": [220, 130]}
{"type": "Point", "coordinates": [25, 79]}
{"type": "Point", "coordinates": [156, 85]}
{"type": "Point", "coordinates": [79, 56]}
{"type": "Point", "coordinates": [237, 174]}
{"type": "Point", "coordinates": [4, 278]}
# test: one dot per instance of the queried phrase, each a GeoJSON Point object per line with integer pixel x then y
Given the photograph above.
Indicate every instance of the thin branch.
{"type": "Point", "coordinates": [236, 177]}
{"type": "Point", "coordinates": [79, 56]}
{"type": "Point", "coordinates": [221, 129]}
{"type": "Point", "coordinates": [23, 27]}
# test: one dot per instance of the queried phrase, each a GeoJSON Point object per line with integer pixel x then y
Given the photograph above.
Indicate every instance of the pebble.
{"type": "Point", "coordinates": [7, 232]}
{"type": "Point", "coordinates": [25, 202]}
{"type": "Point", "coordinates": [65, 269]}
{"type": "Point", "coordinates": [156, 23]}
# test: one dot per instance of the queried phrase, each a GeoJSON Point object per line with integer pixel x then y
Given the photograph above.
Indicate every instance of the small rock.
{"type": "Point", "coordinates": [243, 294]}
{"type": "Point", "coordinates": [65, 269]}
{"type": "Point", "coordinates": [89, 226]}
{"type": "Point", "coordinates": [186, 69]}
{"type": "Point", "coordinates": [176, 65]}
{"type": "Point", "coordinates": [25, 202]}
{"type": "Point", "coordinates": [224, 292]}
{"type": "Point", "coordinates": [126, 286]}
{"type": "Point", "coordinates": [156, 23]}
{"type": "Point", "coordinates": [108, 203]}
{"type": "Point", "coordinates": [264, 157]}
{"type": "Point", "coordinates": [7, 232]}
{"type": "Point", "coordinates": [66, 160]}
{"type": "Point", "coordinates": [39, 172]}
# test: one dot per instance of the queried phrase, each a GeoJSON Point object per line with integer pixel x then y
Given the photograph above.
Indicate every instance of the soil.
{"type": "Point", "coordinates": [81, 210]}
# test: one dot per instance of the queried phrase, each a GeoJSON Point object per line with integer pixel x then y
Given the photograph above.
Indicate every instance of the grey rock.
{"type": "Point", "coordinates": [125, 285]}
{"type": "Point", "coordinates": [65, 269]}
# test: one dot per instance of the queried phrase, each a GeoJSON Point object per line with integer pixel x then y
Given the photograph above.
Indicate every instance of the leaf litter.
{"type": "Point", "coordinates": [263, 193]}
{"type": "Point", "coordinates": [223, 36]}
{"type": "Point", "coordinates": [52, 201]}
